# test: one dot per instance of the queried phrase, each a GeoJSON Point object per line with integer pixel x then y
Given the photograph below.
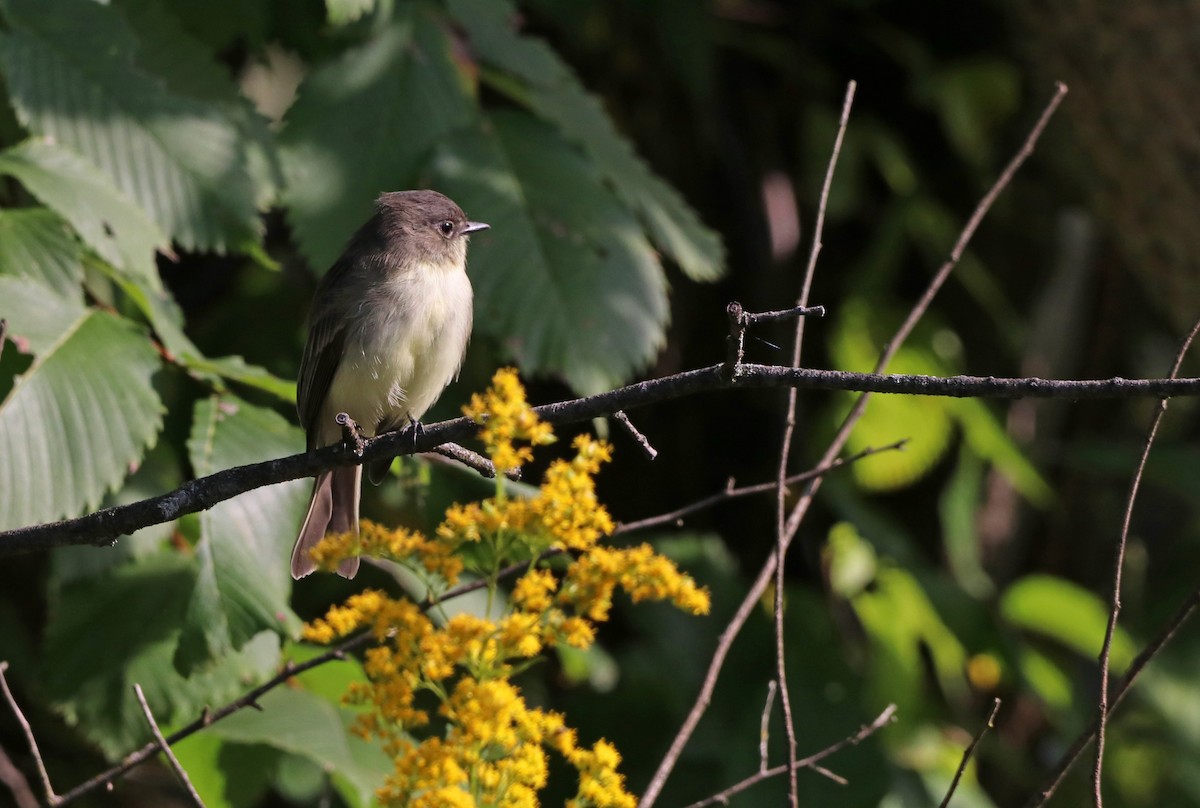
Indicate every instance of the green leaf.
{"type": "Point", "coordinates": [568, 280]}
{"type": "Point", "coordinates": [71, 72]}
{"type": "Point", "coordinates": [549, 88]}
{"type": "Point", "coordinates": [167, 49]}
{"type": "Point", "coordinates": [112, 630]}
{"type": "Point", "coordinates": [243, 584]}
{"type": "Point", "coordinates": [236, 369]}
{"type": "Point", "coordinates": [105, 219]}
{"type": "Point", "coordinates": [35, 243]}
{"type": "Point", "coordinates": [364, 123]}
{"type": "Point", "coordinates": [305, 724]}
{"type": "Point", "coordinates": [76, 420]}
{"type": "Point", "coordinates": [342, 12]}
{"type": "Point", "coordinates": [37, 315]}
{"type": "Point", "coordinates": [909, 637]}
{"type": "Point", "coordinates": [1065, 612]}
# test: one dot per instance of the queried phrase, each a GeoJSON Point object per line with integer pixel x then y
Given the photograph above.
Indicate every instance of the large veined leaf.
{"type": "Point", "coordinates": [166, 49]}
{"type": "Point", "coordinates": [364, 124]}
{"type": "Point", "coordinates": [548, 87]}
{"type": "Point", "coordinates": [107, 220]}
{"type": "Point", "coordinates": [77, 419]}
{"type": "Point", "coordinates": [109, 631]}
{"type": "Point", "coordinates": [71, 74]}
{"type": "Point", "coordinates": [244, 580]}
{"type": "Point", "coordinates": [36, 243]}
{"type": "Point", "coordinates": [568, 278]}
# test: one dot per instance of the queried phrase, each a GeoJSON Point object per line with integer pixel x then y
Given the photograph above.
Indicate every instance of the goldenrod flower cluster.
{"type": "Point", "coordinates": [441, 697]}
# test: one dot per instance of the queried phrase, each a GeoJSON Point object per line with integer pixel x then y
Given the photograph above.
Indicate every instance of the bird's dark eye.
{"type": "Point", "coordinates": [446, 228]}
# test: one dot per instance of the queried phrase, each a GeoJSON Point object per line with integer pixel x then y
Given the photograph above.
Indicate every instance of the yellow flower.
{"type": "Point", "coordinates": [507, 417]}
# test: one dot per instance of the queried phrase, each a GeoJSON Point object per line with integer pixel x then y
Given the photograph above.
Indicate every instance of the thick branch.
{"type": "Point", "coordinates": [200, 494]}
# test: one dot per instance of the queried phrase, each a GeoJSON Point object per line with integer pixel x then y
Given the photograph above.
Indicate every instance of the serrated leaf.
{"type": "Point", "coordinates": [112, 630]}
{"type": "Point", "coordinates": [35, 243]}
{"type": "Point", "coordinates": [37, 315]}
{"type": "Point", "coordinates": [568, 279]}
{"type": "Point", "coordinates": [76, 420]}
{"type": "Point", "coordinates": [551, 90]}
{"type": "Point", "coordinates": [191, 70]}
{"type": "Point", "coordinates": [71, 74]}
{"type": "Point", "coordinates": [363, 124]}
{"type": "Point", "coordinates": [107, 221]}
{"type": "Point", "coordinates": [243, 581]}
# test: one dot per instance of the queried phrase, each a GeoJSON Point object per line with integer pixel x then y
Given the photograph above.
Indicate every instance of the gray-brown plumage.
{"type": "Point", "coordinates": [387, 332]}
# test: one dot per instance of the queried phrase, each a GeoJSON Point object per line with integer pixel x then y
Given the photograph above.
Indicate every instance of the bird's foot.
{"type": "Point", "coordinates": [353, 432]}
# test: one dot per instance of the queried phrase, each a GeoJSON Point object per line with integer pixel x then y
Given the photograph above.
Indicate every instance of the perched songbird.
{"type": "Point", "coordinates": [387, 332]}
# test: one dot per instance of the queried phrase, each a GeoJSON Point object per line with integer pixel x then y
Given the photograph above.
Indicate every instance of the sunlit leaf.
{"type": "Point", "coordinates": [35, 243]}
{"type": "Point", "coordinates": [1065, 612]}
{"type": "Point", "coordinates": [77, 419]}
{"type": "Point", "coordinates": [71, 73]}
{"type": "Point", "coordinates": [105, 219]}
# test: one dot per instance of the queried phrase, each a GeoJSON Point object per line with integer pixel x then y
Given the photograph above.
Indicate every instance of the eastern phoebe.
{"type": "Point", "coordinates": [387, 332]}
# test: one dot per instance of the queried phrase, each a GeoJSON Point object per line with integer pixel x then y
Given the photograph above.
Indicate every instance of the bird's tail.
{"type": "Point", "coordinates": [333, 509]}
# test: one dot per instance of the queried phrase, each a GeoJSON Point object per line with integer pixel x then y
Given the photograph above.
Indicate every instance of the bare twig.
{"type": "Point", "coordinates": [740, 319]}
{"type": "Point", "coordinates": [730, 492]}
{"type": "Point", "coordinates": [1118, 569]}
{"type": "Point", "coordinates": [766, 574]}
{"type": "Point", "coordinates": [624, 421]}
{"type": "Point", "coordinates": [968, 752]}
{"type": "Point", "coordinates": [12, 777]}
{"type": "Point", "coordinates": [1152, 649]}
{"type": "Point", "coordinates": [166, 748]}
{"type": "Point", "coordinates": [47, 789]}
{"type": "Point", "coordinates": [764, 727]}
{"type": "Point", "coordinates": [809, 762]}
{"type": "Point", "coordinates": [472, 460]}
{"type": "Point", "coordinates": [785, 450]}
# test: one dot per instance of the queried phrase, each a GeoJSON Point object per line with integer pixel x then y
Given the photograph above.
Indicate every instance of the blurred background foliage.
{"type": "Point", "coordinates": [177, 175]}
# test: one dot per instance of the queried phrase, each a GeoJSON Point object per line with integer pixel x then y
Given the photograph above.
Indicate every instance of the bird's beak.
{"type": "Point", "coordinates": [471, 227]}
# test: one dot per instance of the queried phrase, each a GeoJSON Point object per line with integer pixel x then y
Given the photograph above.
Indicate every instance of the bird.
{"type": "Point", "coordinates": [387, 332]}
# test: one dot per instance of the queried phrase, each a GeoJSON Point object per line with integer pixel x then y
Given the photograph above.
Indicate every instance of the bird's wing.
{"type": "Point", "coordinates": [322, 354]}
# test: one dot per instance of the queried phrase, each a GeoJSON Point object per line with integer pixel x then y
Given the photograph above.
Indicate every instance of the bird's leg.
{"type": "Point", "coordinates": [352, 431]}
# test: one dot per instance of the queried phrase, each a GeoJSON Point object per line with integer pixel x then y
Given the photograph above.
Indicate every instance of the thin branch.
{"type": "Point", "coordinates": [785, 449]}
{"type": "Point", "coordinates": [740, 319]}
{"type": "Point", "coordinates": [1118, 569]}
{"type": "Point", "coordinates": [766, 574]}
{"type": "Point", "coordinates": [250, 698]}
{"type": "Point", "coordinates": [47, 789]}
{"type": "Point", "coordinates": [641, 439]}
{"type": "Point", "coordinates": [1182, 614]}
{"type": "Point", "coordinates": [809, 762]}
{"type": "Point", "coordinates": [472, 460]}
{"type": "Point", "coordinates": [968, 752]}
{"type": "Point", "coordinates": [12, 777]}
{"type": "Point", "coordinates": [166, 748]}
{"type": "Point", "coordinates": [730, 492]}
{"type": "Point", "coordinates": [764, 727]}
{"type": "Point", "coordinates": [105, 526]}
